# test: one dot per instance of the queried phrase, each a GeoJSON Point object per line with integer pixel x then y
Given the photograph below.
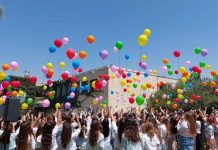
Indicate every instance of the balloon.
{"type": "Point", "coordinates": [164, 96]}
{"type": "Point", "coordinates": [173, 86]}
{"type": "Point", "coordinates": [198, 98]}
{"type": "Point", "coordinates": [24, 106]}
{"type": "Point", "coordinates": [123, 82]}
{"type": "Point", "coordinates": [62, 65]}
{"type": "Point", "coordinates": [208, 67]}
{"type": "Point", "coordinates": [213, 73]}
{"type": "Point", "coordinates": [134, 85]}
{"type": "Point", "coordinates": [115, 49]}
{"type": "Point", "coordinates": [165, 61]}
{"type": "Point", "coordinates": [156, 101]}
{"type": "Point", "coordinates": [169, 66]}
{"type": "Point", "coordinates": [2, 101]}
{"type": "Point", "coordinates": [72, 95]}
{"type": "Point", "coordinates": [140, 100]}
{"type": "Point", "coordinates": [174, 106]}
{"type": "Point", "coordinates": [49, 65]}
{"type": "Point", "coordinates": [82, 54]}
{"type": "Point", "coordinates": [107, 77]}
{"type": "Point", "coordinates": [204, 52]}
{"type": "Point", "coordinates": [120, 71]}
{"type": "Point", "coordinates": [147, 32]}
{"type": "Point", "coordinates": [197, 50]}
{"type": "Point", "coordinates": [127, 57]}
{"type": "Point", "coordinates": [64, 76]}
{"type": "Point", "coordinates": [98, 84]}
{"type": "Point", "coordinates": [184, 79]}
{"type": "Point", "coordinates": [33, 79]}
{"type": "Point", "coordinates": [70, 53]}
{"type": "Point", "coordinates": [176, 53]}
{"type": "Point", "coordinates": [170, 72]}
{"type": "Point", "coordinates": [148, 85]}
{"type": "Point", "coordinates": [75, 64]}
{"type": "Point", "coordinates": [113, 76]}
{"type": "Point", "coordinates": [144, 57]}
{"type": "Point", "coordinates": [117, 91]}
{"type": "Point", "coordinates": [142, 40]}
{"type": "Point", "coordinates": [45, 103]}
{"type": "Point", "coordinates": [21, 93]}
{"type": "Point", "coordinates": [2, 76]}
{"type": "Point", "coordinates": [44, 69]}
{"type": "Point", "coordinates": [144, 65]}
{"type": "Point", "coordinates": [14, 65]}
{"type": "Point", "coordinates": [14, 93]}
{"type": "Point", "coordinates": [90, 39]}
{"type": "Point", "coordinates": [103, 54]}
{"type": "Point", "coordinates": [114, 68]}
{"type": "Point", "coordinates": [67, 105]}
{"type": "Point", "coordinates": [131, 100]}
{"type": "Point", "coordinates": [44, 87]}
{"type": "Point", "coordinates": [150, 72]}
{"type": "Point", "coordinates": [143, 87]}
{"type": "Point", "coordinates": [190, 85]}
{"type": "Point", "coordinates": [94, 101]}
{"type": "Point", "coordinates": [164, 69]}
{"type": "Point", "coordinates": [52, 49]}
{"type": "Point", "coordinates": [202, 64]}
{"type": "Point", "coordinates": [84, 79]}
{"type": "Point", "coordinates": [29, 101]}
{"type": "Point", "coordinates": [155, 72]}
{"type": "Point", "coordinates": [216, 91]}
{"type": "Point", "coordinates": [145, 74]}
{"type": "Point", "coordinates": [65, 40]}
{"type": "Point", "coordinates": [182, 69]}
{"type": "Point", "coordinates": [73, 79]}
{"type": "Point", "coordinates": [119, 45]}
{"type": "Point", "coordinates": [5, 67]}
{"type": "Point", "coordinates": [187, 63]}
{"type": "Point", "coordinates": [212, 84]}
{"type": "Point", "coordinates": [58, 43]}
{"type": "Point", "coordinates": [57, 105]}
{"type": "Point", "coordinates": [104, 83]}
{"type": "Point", "coordinates": [5, 84]}
{"type": "Point", "coordinates": [168, 102]}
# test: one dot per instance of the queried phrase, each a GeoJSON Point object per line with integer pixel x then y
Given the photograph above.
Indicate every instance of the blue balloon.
{"type": "Point", "coordinates": [190, 69]}
{"type": "Point", "coordinates": [75, 64]}
{"type": "Point", "coordinates": [8, 79]}
{"type": "Point", "coordinates": [72, 89]}
{"type": "Point", "coordinates": [128, 74]}
{"type": "Point", "coordinates": [146, 74]}
{"type": "Point", "coordinates": [127, 57]}
{"type": "Point", "coordinates": [52, 49]}
{"type": "Point", "coordinates": [112, 92]}
{"type": "Point", "coordinates": [68, 97]}
{"type": "Point", "coordinates": [171, 95]}
{"type": "Point", "coordinates": [82, 88]}
{"type": "Point", "coordinates": [87, 87]}
{"type": "Point", "coordinates": [190, 85]}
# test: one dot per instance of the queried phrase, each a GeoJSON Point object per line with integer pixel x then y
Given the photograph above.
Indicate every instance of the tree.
{"type": "Point", "coordinates": [1, 11]}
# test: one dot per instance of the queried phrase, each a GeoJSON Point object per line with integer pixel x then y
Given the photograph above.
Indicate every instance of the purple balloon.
{"type": "Point", "coordinates": [67, 105]}
{"type": "Point", "coordinates": [103, 54]}
{"type": "Point", "coordinates": [45, 103]}
{"type": "Point", "coordinates": [143, 65]}
{"type": "Point", "coordinates": [204, 52]}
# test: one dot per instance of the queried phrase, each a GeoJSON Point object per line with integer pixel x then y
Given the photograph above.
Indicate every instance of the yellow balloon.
{"type": "Point", "coordinates": [104, 105]}
{"type": "Point", "coordinates": [21, 93]}
{"type": "Point", "coordinates": [84, 79]}
{"type": "Point", "coordinates": [184, 79]}
{"type": "Point", "coordinates": [144, 87]}
{"type": "Point", "coordinates": [128, 91]}
{"type": "Point", "coordinates": [57, 105]}
{"type": "Point", "coordinates": [147, 32]}
{"type": "Point", "coordinates": [144, 57]}
{"type": "Point", "coordinates": [180, 96]}
{"type": "Point", "coordinates": [113, 76]}
{"type": "Point", "coordinates": [94, 101]}
{"type": "Point", "coordinates": [178, 91]}
{"type": "Point", "coordinates": [168, 102]}
{"type": "Point", "coordinates": [128, 84]}
{"type": "Point", "coordinates": [142, 40]}
{"type": "Point", "coordinates": [62, 65]}
{"type": "Point", "coordinates": [24, 106]}
{"type": "Point", "coordinates": [2, 75]}
{"type": "Point", "coordinates": [135, 78]}
{"type": "Point", "coordinates": [188, 76]}
{"type": "Point", "coordinates": [93, 84]}
{"type": "Point", "coordinates": [208, 67]}
{"type": "Point", "coordinates": [1, 101]}
{"type": "Point", "coordinates": [44, 87]}
{"type": "Point", "coordinates": [49, 65]}
{"type": "Point", "coordinates": [155, 72]}
{"type": "Point", "coordinates": [182, 69]}
{"type": "Point", "coordinates": [123, 82]}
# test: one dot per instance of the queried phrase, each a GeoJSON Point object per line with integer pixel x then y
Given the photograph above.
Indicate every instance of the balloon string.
{"type": "Point", "coordinates": [178, 68]}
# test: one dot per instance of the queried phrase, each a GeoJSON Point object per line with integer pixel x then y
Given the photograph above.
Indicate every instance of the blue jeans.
{"type": "Point", "coordinates": [186, 143]}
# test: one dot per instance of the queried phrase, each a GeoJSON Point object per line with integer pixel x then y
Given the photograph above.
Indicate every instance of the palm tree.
{"type": "Point", "coordinates": [1, 11]}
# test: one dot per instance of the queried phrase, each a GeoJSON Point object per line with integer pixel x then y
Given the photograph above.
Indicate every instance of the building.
{"type": "Point", "coordinates": [113, 92]}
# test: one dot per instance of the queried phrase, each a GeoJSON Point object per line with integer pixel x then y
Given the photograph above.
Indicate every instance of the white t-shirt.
{"type": "Point", "coordinates": [150, 143]}
{"type": "Point", "coordinates": [163, 133]}
{"type": "Point", "coordinates": [183, 129]}
{"type": "Point", "coordinates": [198, 127]}
{"type": "Point", "coordinates": [209, 131]}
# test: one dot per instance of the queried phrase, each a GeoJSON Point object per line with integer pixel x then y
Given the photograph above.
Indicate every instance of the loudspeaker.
{"type": "Point", "coordinates": [11, 109]}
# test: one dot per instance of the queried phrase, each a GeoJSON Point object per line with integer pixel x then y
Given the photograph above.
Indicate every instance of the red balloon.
{"type": "Point", "coordinates": [176, 53]}
{"type": "Point", "coordinates": [144, 95]}
{"type": "Point", "coordinates": [124, 90]}
{"type": "Point", "coordinates": [216, 91]}
{"type": "Point", "coordinates": [198, 98]}
{"type": "Point", "coordinates": [120, 71]}
{"type": "Point", "coordinates": [107, 77]}
{"type": "Point", "coordinates": [199, 71]}
{"type": "Point", "coordinates": [176, 72]}
{"type": "Point", "coordinates": [131, 100]}
{"type": "Point", "coordinates": [98, 84]}
{"type": "Point", "coordinates": [193, 96]}
{"type": "Point", "coordinates": [49, 76]}
{"type": "Point", "coordinates": [8, 93]}
{"type": "Point", "coordinates": [33, 79]}
{"type": "Point", "coordinates": [58, 43]}
{"type": "Point", "coordinates": [124, 75]}
{"type": "Point", "coordinates": [195, 68]}
{"type": "Point", "coordinates": [64, 76]}
{"type": "Point", "coordinates": [100, 76]}
{"type": "Point", "coordinates": [49, 81]}
{"type": "Point", "coordinates": [137, 73]}
{"type": "Point", "coordinates": [176, 100]}
{"type": "Point", "coordinates": [73, 79]}
{"type": "Point", "coordinates": [15, 84]}
{"type": "Point", "coordinates": [5, 84]}
{"type": "Point", "coordinates": [80, 70]}
{"type": "Point", "coordinates": [70, 53]}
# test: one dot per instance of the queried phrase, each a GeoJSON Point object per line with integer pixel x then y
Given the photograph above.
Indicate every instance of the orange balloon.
{"type": "Point", "coordinates": [5, 67]}
{"type": "Point", "coordinates": [213, 73]}
{"type": "Point", "coordinates": [82, 54]}
{"type": "Point", "coordinates": [174, 106]}
{"type": "Point", "coordinates": [50, 94]}
{"type": "Point", "coordinates": [90, 39]}
{"type": "Point", "coordinates": [191, 101]}
{"type": "Point", "coordinates": [185, 74]}
{"type": "Point", "coordinates": [50, 72]}
{"type": "Point", "coordinates": [158, 84]}
{"type": "Point", "coordinates": [165, 61]}
{"type": "Point", "coordinates": [204, 83]}
{"type": "Point", "coordinates": [156, 101]}
{"type": "Point", "coordinates": [212, 84]}
{"type": "Point", "coordinates": [148, 85]}
{"type": "Point", "coordinates": [133, 94]}
{"type": "Point", "coordinates": [14, 93]}
{"type": "Point", "coordinates": [75, 85]}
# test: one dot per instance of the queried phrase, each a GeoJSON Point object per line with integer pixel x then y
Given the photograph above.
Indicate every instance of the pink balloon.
{"type": "Point", "coordinates": [75, 56]}
{"type": "Point", "coordinates": [114, 68]}
{"type": "Point", "coordinates": [164, 69]}
{"type": "Point", "coordinates": [72, 95]}
{"type": "Point", "coordinates": [187, 63]}
{"type": "Point", "coordinates": [65, 40]}
{"type": "Point", "coordinates": [120, 71]}
{"type": "Point", "coordinates": [4, 97]}
{"type": "Point", "coordinates": [67, 105]}
{"type": "Point", "coordinates": [164, 96]}
{"type": "Point", "coordinates": [44, 69]}
{"type": "Point", "coordinates": [150, 72]}
{"type": "Point", "coordinates": [104, 83]}
{"type": "Point", "coordinates": [67, 72]}
{"type": "Point", "coordinates": [186, 101]}
{"type": "Point", "coordinates": [13, 65]}
{"type": "Point", "coordinates": [117, 91]}
{"type": "Point", "coordinates": [50, 85]}
{"type": "Point", "coordinates": [173, 86]}
{"type": "Point", "coordinates": [115, 49]}
{"type": "Point", "coordinates": [97, 99]}
{"type": "Point", "coordinates": [139, 80]}
{"type": "Point", "coordinates": [100, 98]}
{"type": "Point", "coordinates": [118, 75]}
{"type": "Point", "coordinates": [45, 103]}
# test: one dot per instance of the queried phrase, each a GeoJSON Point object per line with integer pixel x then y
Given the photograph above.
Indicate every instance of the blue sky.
{"type": "Point", "coordinates": [28, 28]}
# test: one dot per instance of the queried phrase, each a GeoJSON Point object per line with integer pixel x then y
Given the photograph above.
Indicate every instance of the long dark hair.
{"type": "Point", "coordinates": [121, 127]}
{"type": "Point", "coordinates": [82, 132]}
{"type": "Point", "coordinates": [191, 123]}
{"type": "Point", "coordinates": [39, 129]}
{"type": "Point", "coordinates": [66, 134]}
{"type": "Point", "coordinates": [47, 135]}
{"type": "Point", "coordinates": [95, 129]}
{"type": "Point", "coordinates": [22, 138]}
{"type": "Point", "coordinates": [105, 126]}
{"type": "Point", "coordinates": [5, 137]}
{"type": "Point", "coordinates": [131, 130]}
{"type": "Point", "coordinates": [199, 118]}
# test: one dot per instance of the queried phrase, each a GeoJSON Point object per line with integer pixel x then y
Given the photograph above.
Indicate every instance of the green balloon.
{"type": "Point", "coordinates": [119, 45]}
{"type": "Point", "coordinates": [52, 97]}
{"type": "Point", "coordinates": [184, 85]}
{"type": "Point", "coordinates": [170, 72]}
{"type": "Point", "coordinates": [168, 66]}
{"type": "Point", "coordinates": [104, 102]}
{"type": "Point", "coordinates": [140, 100]}
{"type": "Point", "coordinates": [9, 88]}
{"type": "Point", "coordinates": [195, 74]}
{"type": "Point", "coordinates": [197, 50]}
{"type": "Point", "coordinates": [216, 76]}
{"type": "Point", "coordinates": [202, 64]}
{"type": "Point", "coordinates": [135, 85]}
{"type": "Point", "coordinates": [29, 101]}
